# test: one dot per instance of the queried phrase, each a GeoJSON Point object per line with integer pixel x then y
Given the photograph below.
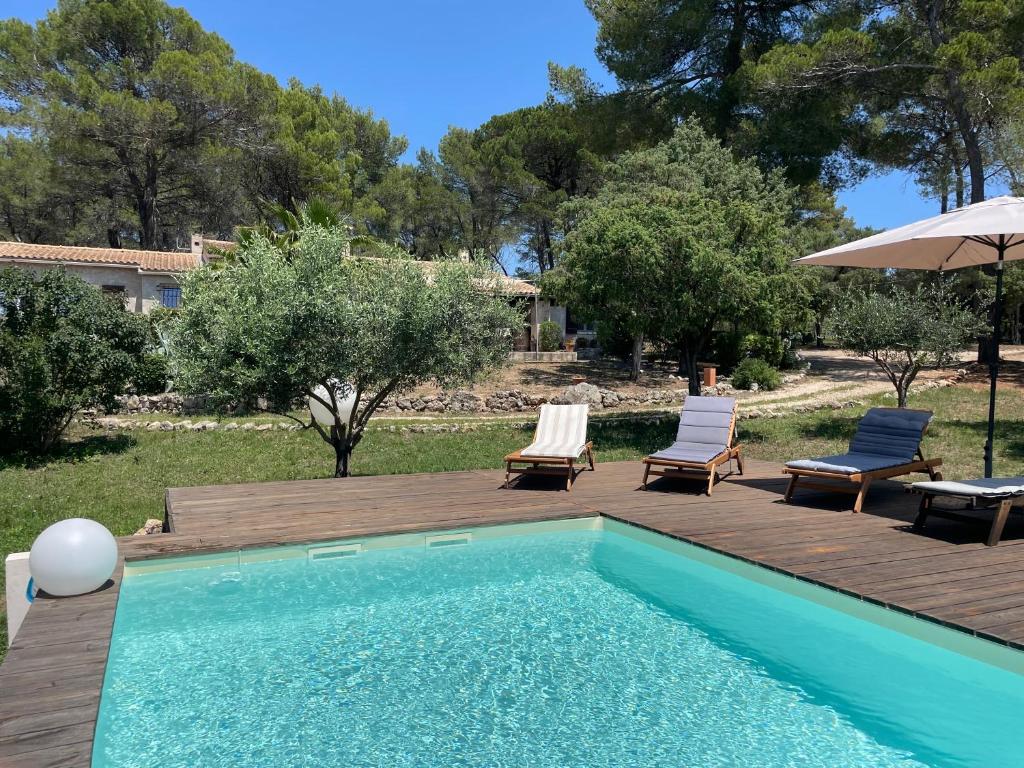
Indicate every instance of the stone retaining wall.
{"type": "Point", "coordinates": [518, 403]}
{"type": "Point", "coordinates": [456, 402]}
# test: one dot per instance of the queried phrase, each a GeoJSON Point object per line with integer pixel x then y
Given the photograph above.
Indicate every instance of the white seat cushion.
{"type": "Point", "coordinates": [988, 488]}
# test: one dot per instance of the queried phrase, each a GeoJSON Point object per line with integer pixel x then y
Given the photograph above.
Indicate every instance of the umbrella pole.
{"type": "Point", "coordinates": [993, 364]}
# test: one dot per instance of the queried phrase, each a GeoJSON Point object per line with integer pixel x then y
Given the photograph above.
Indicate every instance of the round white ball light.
{"type": "Point", "coordinates": [72, 557]}
{"type": "Point", "coordinates": [345, 395]}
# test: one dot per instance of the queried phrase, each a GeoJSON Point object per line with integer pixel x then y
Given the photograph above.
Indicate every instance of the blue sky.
{"type": "Point", "coordinates": [424, 65]}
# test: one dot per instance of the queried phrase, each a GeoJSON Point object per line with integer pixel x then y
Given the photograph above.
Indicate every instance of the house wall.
{"type": "Point", "coordinates": [551, 312]}
{"type": "Point", "coordinates": [141, 291]}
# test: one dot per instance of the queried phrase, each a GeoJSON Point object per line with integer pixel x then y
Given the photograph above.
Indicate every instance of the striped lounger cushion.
{"type": "Point", "coordinates": [561, 432]}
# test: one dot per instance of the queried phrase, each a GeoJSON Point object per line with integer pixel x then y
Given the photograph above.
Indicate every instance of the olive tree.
{"type": "Point", "coordinates": [276, 327]}
{"type": "Point", "coordinates": [64, 346]}
{"type": "Point", "coordinates": [904, 331]}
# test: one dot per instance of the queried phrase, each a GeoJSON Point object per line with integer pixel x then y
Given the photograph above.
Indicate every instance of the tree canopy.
{"type": "Point", "coordinates": [146, 127]}
{"type": "Point", "coordinates": [682, 238]}
{"type": "Point", "coordinates": [904, 330]}
{"type": "Point", "coordinates": [930, 85]}
{"type": "Point", "coordinates": [275, 325]}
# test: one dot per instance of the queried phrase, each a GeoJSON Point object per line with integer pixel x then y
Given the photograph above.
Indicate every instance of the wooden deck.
{"type": "Point", "coordinates": [50, 682]}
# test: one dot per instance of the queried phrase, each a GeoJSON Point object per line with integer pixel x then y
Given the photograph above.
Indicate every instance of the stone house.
{"type": "Point", "coordinates": [144, 279]}
{"type": "Point", "coordinates": [150, 279]}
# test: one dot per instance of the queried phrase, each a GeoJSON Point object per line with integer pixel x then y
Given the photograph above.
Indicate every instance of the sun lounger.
{"type": "Point", "coordinates": [887, 444]}
{"type": "Point", "coordinates": [998, 493]}
{"type": "Point", "coordinates": [560, 440]}
{"type": "Point", "coordinates": [703, 442]}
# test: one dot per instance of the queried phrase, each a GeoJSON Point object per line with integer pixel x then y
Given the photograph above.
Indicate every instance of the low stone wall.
{"type": "Point", "coordinates": [458, 401]}
{"type": "Point", "coordinates": [561, 356]}
{"type": "Point", "coordinates": [571, 394]}
{"type": "Point", "coordinates": [517, 400]}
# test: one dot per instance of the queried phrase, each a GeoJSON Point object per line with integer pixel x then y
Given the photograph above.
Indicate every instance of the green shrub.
{"type": "Point", "coordinates": [752, 371]}
{"type": "Point", "coordinates": [582, 342]}
{"type": "Point", "coordinates": [759, 346]}
{"type": "Point", "coordinates": [151, 375]}
{"type": "Point", "coordinates": [63, 347]}
{"type": "Point", "coordinates": [550, 336]}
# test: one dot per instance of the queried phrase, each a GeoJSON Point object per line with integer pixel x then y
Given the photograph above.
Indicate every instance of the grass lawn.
{"type": "Point", "coordinates": [119, 478]}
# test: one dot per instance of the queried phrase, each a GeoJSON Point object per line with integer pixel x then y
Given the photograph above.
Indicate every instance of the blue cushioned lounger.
{"type": "Point", "coordinates": [887, 444]}
{"type": "Point", "coordinates": [704, 441]}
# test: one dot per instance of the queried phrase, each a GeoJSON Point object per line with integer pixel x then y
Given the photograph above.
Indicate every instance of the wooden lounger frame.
{"type": "Point", "coordinates": [692, 470]}
{"type": "Point", "coordinates": [1002, 507]}
{"type": "Point", "coordinates": [859, 482]}
{"type": "Point", "coordinates": [547, 465]}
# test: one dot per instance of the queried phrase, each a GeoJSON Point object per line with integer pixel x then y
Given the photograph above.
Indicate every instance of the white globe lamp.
{"type": "Point", "coordinates": [72, 557]}
{"type": "Point", "coordinates": [345, 396]}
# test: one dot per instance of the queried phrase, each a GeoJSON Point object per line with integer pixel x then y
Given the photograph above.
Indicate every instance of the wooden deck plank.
{"type": "Point", "coordinates": [50, 683]}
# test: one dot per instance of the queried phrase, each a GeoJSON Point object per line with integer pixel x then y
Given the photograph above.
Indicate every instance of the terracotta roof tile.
{"type": "Point", "coordinates": [172, 261]}
{"type": "Point", "coordinates": [512, 285]}
{"type": "Point", "coordinates": [147, 261]}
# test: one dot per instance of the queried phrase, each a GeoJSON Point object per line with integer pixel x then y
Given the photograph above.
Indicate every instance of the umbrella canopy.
{"type": "Point", "coordinates": [965, 237]}
{"type": "Point", "coordinates": [989, 232]}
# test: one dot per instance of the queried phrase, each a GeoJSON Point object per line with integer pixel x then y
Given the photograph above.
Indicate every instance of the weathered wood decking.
{"type": "Point", "coordinates": [50, 682]}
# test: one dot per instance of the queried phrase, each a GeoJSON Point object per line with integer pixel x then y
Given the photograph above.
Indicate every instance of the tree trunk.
{"type": "Point", "coordinates": [958, 170]}
{"type": "Point", "coordinates": [901, 395]}
{"type": "Point", "coordinates": [342, 452]}
{"type": "Point", "coordinates": [732, 61]}
{"type": "Point", "coordinates": [637, 357]}
{"type": "Point", "coordinates": [147, 221]}
{"type": "Point", "coordinates": [146, 199]}
{"type": "Point", "coordinates": [688, 367]}
{"type": "Point", "coordinates": [343, 446]}
{"type": "Point", "coordinates": [957, 102]}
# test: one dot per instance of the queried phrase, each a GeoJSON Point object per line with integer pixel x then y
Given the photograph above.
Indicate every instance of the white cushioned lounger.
{"type": "Point", "coordinates": [999, 493]}
{"type": "Point", "coordinates": [559, 441]}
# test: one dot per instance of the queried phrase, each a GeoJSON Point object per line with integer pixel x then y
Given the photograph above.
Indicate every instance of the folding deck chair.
{"type": "Point", "coordinates": [703, 442]}
{"type": "Point", "coordinates": [558, 443]}
{"type": "Point", "coordinates": [887, 444]}
{"type": "Point", "coordinates": [998, 493]}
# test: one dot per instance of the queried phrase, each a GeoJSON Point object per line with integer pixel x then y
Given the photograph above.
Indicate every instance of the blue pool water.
{"type": "Point", "coordinates": [585, 648]}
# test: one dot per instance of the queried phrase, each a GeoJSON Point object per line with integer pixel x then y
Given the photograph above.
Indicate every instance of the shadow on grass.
{"type": "Point", "coordinates": [1009, 436]}
{"type": "Point", "coordinates": [830, 428]}
{"type": "Point", "coordinates": [1011, 373]}
{"type": "Point", "coordinates": [637, 437]}
{"type": "Point", "coordinates": [606, 372]}
{"type": "Point", "coordinates": [71, 452]}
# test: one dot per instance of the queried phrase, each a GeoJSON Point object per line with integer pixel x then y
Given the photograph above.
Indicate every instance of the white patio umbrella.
{"type": "Point", "coordinates": [989, 232]}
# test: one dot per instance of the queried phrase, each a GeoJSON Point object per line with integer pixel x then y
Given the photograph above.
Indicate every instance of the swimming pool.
{"type": "Point", "coordinates": [574, 643]}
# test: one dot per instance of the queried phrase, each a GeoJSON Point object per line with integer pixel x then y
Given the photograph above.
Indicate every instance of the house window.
{"type": "Point", "coordinates": [170, 296]}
